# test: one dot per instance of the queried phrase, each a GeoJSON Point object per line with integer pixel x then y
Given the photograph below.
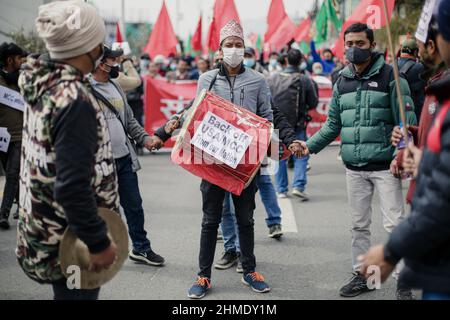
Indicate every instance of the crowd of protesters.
{"type": "Point", "coordinates": [61, 140]}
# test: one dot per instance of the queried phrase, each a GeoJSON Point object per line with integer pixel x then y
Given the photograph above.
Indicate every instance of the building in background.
{"type": "Point", "coordinates": [17, 15]}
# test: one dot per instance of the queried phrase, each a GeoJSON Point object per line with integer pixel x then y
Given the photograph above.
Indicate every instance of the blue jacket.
{"type": "Point", "coordinates": [327, 65]}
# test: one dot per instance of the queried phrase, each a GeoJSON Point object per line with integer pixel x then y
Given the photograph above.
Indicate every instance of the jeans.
{"type": "Point", "coordinates": [229, 225]}
{"type": "Point", "coordinates": [269, 199]}
{"type": "Point", "coordinates": [213, 198]}
{"type": "Point", "coordinates": [435, 296]}
{"type": "Point", "coordinates": [61, 292]}
{"type": "Point", "coordinates": [300, 165]}
{"type": "Point", "coordinates": [360, 189]}
{"type": "Point", "coordinates": [11, 164]}
{"type": "Point", "coordinates": [131, 202]}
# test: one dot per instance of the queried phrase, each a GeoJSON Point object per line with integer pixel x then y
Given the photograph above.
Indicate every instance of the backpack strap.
{"type": "Point", "coordinates": [406, 67]}
{"type": "Point", "coordinates": [109, 105]}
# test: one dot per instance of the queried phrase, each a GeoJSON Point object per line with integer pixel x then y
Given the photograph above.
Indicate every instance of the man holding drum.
{"type": "Point", "coordinates": [247, 88]}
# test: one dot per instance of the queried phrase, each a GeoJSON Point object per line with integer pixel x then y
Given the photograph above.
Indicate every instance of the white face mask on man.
{"type": "Point", "coordinates": [233, 56]}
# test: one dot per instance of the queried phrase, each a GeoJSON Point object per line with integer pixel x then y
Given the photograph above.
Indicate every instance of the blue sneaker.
{"type": "Point", "coordinates": [199, 288]}
{"type": "Point", "coordinates": [256, 281]}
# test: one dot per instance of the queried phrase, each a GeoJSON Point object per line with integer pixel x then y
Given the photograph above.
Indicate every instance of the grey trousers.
{"type": "Point", "coordinates": [360, 189]}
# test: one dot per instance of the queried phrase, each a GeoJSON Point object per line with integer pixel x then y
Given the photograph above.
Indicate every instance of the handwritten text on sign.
{"type": "Point", "coordinates": [11, 98]}
{"type": "Point", "coordinates": [222, 140]}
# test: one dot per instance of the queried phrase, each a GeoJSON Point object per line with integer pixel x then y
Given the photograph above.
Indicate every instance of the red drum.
{"type": "Point", "coordinates": [222, 142]}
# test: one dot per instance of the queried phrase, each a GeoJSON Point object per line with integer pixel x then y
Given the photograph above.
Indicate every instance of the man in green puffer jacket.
{"type": "Point", "coordinates": [364, 110]}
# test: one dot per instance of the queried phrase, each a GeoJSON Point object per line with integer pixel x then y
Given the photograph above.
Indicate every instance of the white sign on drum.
{"type": "Point", "coordinates": [221, 140]}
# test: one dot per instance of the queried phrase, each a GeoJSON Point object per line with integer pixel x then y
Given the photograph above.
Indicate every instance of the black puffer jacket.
{"type": "Point", "coordinates": [423, 239]}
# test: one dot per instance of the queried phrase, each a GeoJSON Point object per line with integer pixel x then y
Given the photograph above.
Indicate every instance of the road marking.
{"type": "Point", "coordinates": [287, 215]}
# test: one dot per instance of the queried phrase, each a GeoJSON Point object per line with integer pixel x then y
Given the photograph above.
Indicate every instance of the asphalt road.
{"type": "Point", "coordinates": [312, 263]}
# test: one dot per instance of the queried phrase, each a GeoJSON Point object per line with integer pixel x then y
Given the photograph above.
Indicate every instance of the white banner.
{"type": "Point", "coordinates": [12, 98]}
{"type": "Point", "coordinates": [424, 21]}
{"type": "Point", "coordinates": [5, 137]}
{"type": "Point", "coordinates": [222, 140]}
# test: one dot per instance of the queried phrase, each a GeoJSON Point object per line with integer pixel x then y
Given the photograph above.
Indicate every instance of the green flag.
{"type": "Point", "coordinates": [322, 24]}
{"type": "Point", "coordinates": [332, 15]}
{"type": "Point", "coordinates": [258, 44]}
{"type": "Point", "coordinates": [327, 13]}
{"type": "Point", "coordinates": [304, 47]}
{"type": "Point", "coordinates": [188, 47]}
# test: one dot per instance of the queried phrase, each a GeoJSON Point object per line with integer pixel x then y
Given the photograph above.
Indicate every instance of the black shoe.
{"type": "Point", "coordinates": [229, 259]}
{"type": "Point", "coordinates": [4, 224]}
{"type": "Point", "coordinates": [356, 286]}
{"type": "Point", "coordinates": [275, 231]}
{"type": "Point", "coordinates": [149, 257]}
{"type": "Point", "coordinates": [405, 294]}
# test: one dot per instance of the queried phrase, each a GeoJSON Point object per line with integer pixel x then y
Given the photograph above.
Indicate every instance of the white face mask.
{"type": "Point", "coordinates": [233, 56]}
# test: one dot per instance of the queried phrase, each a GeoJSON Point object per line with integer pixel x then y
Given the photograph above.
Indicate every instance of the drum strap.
{"type": "Point", "coordinates": [213, 81]}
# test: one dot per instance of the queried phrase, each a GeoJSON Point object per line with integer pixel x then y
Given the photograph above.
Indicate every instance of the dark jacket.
{"type": "Point", "coordinates": [420, 133]}
{"type": "Point", "coordinates": [10, 118]}
{"type": "Point", "coordinates": [423, 239]}
{"type": "Point", "coordinates": [296, 115]}
{"type": "Point", "coordinates": [415, 82]}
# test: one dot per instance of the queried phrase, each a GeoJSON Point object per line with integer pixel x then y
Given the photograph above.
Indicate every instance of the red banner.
{"type": "Point", "coordinates": [163, 99]}
{"type": "Point", "coordinates": [320, 114]}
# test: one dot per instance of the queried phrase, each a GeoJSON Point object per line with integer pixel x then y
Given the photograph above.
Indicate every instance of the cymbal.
{"type": "Point", "coordinates": [74, 253]}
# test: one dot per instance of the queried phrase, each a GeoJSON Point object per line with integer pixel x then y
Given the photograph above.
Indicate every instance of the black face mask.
{"type": "Point", "coordinates": [357, 55]}
{"type": "Point", "coordinates": [114, 73]}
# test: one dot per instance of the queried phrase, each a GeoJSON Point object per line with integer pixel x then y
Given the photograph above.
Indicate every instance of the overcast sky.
{"type": "Point", "coordinates": [253, 13]}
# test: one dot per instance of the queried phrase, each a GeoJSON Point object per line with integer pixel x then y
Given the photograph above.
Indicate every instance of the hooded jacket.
{"type": "Point", "coordinates": [67, 167]}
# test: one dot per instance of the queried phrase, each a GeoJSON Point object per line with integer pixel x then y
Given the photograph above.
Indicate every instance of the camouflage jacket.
{"type": "Point", "coordinates": [50, 89]}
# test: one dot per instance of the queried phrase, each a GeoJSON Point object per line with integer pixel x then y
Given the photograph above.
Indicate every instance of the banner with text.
{"type": "Point", "coordinates": [163, 99]}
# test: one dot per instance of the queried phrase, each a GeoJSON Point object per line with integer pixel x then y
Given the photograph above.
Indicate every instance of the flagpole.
{"type": "Point", "coordinates": [122, 20]}
{"type": "Point", "coordinates": [396, 75]}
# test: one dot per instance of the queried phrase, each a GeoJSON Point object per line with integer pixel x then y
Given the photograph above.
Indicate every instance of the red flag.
{"type": "Point", "coordinates": [162, 40]}
{"type": "Point", "coordinates": [303, 30]}
{"type": "Point", "coordinates": [368, 11]}
{"type": "Point", "coordinates": [224, 11]}
{"type": "Point", "coordinates": [196, 41]}
{"type": "Point", "coordinates": [118, 34]}
{"type": "Point", "coordinates": [163, 99]}
{"type": "Point", "coordinates": [274, 18]}
{"type": "Point", "coordinates": [281, 29]}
